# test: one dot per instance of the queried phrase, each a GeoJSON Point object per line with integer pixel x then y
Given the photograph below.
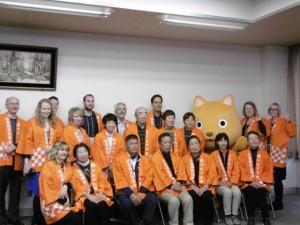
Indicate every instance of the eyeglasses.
{"type": "Point", "coordinates": [274, 109]}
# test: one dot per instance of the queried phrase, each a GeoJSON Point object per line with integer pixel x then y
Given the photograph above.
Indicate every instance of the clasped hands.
{"type": "Point", "coordinates": [136, 199]}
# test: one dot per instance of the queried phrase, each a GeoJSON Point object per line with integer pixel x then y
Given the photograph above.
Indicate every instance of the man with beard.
{"type": "Point", "coordinates": [92, 121]}
{"type": "Point", "coordinates": [120, 112]}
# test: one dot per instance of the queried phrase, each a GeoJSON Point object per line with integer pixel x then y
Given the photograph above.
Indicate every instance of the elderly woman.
{"type": "Point", "coordinates": [73, 133]}
{"type": "Point", "coordinates": [54, 183]}
{"type": "Point", "coordinates": [35, 143]}
{"type": "Point", "coordinates": [93, 193]}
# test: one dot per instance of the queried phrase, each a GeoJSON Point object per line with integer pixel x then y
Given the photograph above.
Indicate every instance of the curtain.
{"type": "Point", "coordinates": [293, 101]}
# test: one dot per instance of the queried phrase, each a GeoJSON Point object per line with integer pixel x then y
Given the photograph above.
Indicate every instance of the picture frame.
{"type": "Point", "coordinates": [28, 67]}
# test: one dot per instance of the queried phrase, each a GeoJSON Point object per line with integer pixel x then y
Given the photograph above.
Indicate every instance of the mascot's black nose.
{"type": "Point", "coordinates": [209, 134]}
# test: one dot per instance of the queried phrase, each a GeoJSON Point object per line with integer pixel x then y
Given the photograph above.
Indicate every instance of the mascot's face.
{"type": "Point", "coordinates": [216, 117]}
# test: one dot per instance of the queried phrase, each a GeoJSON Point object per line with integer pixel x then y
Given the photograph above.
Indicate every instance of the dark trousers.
{"type": "Point", "coordinates": [38, 217]}
{"type": "Point", "coordinates": [256, 197]}
{"type": "Point", "coordinates": [203, 207]}
{"type": "Point", "coordinates": [70, 219]}
{"type": "Point", "coordinates": [146, 209]}
{"type": "Point", "coordinates": [96, 214]}
{"type": "Point", "coordinates": [13, 179]}
{"type": "Point", "coordinates": [279, 175]}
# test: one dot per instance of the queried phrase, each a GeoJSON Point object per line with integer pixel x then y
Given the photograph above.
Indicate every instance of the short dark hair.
{"type": "Point", "coordinates": [168, 112]}
{"type": "Point", "coordinates": [193, 137]}
{"type": "Point", "coordinates": [219, 137]}
{"type": "Point", "coordinates": [188, 115]}
{"type": "Point", "coordinates": [161, 136]}
{"type": "Point", "coordinates": [130, 137]}
{"type": "Point", "coordinates": [54, 97]}
{"type": "Point", "coordinates": [156, 96]}
{"type": "Point", "coordinates": [76, 147]}
{"type": "Point", "coordinates": [88, 95]}
{"type": "Point", "coordinates": [109, 117]}
{"type": "Point", "coordinates": [252, 132]}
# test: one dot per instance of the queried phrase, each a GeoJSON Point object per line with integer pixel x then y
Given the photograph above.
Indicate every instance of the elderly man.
{"type": "Point", "coordinates": [120, 112]}
{"type": "Point", "coordinates": [10, 164]}
{"type": "Point", "coordinates": [147, 134]}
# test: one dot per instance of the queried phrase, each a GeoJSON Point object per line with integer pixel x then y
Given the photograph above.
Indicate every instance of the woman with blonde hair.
{"type": "Point", "coordinates": [35, 144]}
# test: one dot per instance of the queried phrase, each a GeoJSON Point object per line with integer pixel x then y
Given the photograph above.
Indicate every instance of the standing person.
{"type": "Point", "coordinates": [120, 112]}
{"type": "Point", "coordinates": [179, 146]}
{"type": "Point", "coordinates": [228, 175]}
{"type": "Point", "coordinates": [108, 144]}
{"type": "Point", "coordinates": [155, 117]}
{"type": "Point", "coordinates": [252, 121]}
{"type": "Point", "coordinates": [55, 103]}
{"type": "Point", "coordinates": [190, 129]}
{"type": "Point", "coordinates": [92, 121]}
{"type": "Point", "coordinates": [134, 180]}
{"type": "Point", "coordinates": [282, 129]}
{"type": "Point", "coordinates": [35, 144]}
{"type": "Point", "coordinates": [256, 175]}
{"type": "Point", "coordinates": [73, 134]}
{"type": "Point", "coordinates": [168, 184]}
{"type": "Point", "coordinates": [146, 133]}
{"type": "Point", "coordinates": [93, 193]}
{"type": "Point", "coordinates": [10, 163]}
{"type": "Point", "coordinates": [54, 183]}
{"type": "Point", "coordinates": [199, 171]}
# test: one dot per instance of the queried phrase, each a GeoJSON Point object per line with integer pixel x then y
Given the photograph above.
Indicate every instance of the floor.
{"type": "Point", "coordinates": [288, 216]}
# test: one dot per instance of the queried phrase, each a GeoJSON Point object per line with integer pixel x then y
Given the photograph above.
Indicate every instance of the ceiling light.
{"type": "Point", "coordinates": [58, 7]}
{"type": "Point", "coordinates": [204, 22]}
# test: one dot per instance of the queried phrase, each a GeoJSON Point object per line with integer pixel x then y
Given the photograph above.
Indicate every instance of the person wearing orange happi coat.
{"type": "Point", "coordinates": [228, 175]}
{"type": "Point", "coordinates": [147, 134]}
{"type": "Point", "coordinates": [54, 184]}
{"type": "Point", "coordinates": [252, 121]}
{"type": "Point", "coordinates": [120, 112]}
{"type": "Point", "coordinates": [93, 193]}
{"type": "Point", "coordinates": [256, 169]}
{"type": "Point", "coordinates": [282, 130]}
{"type": "Point", "coordinates": [133, 180]}
{"type": "Point", "coordinates": [35, 143]}
{"type": "Point", "coordinates": [154, 118]}
{"type": "Point", "coordinates": [189, 129]}
{"type": "Point", "coordinates": [10, 162]}
{"type": "Point", "coordinates": [179, 146]}
{"type": "Point", "coordinates": [168, 182]}
{"type": "Point", "coordinates": [199, 171]}
{"type": "Point", "coordinates": [73, 134]}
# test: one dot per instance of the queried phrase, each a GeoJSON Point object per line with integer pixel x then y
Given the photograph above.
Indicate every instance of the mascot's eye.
{"type": "Point", "coordinates": [199, 124]}
{"type": "Point", "coordinates": [222, 123]}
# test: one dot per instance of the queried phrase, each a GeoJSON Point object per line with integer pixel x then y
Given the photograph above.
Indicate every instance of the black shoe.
{"type": "Point", "coordinates": [266, 221]}
{"type": "Point", "coordinates": [276, 205]}
{"type": "Point", "coordinates": [251, 221]}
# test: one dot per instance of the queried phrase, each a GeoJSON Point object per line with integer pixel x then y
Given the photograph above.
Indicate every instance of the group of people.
{"type": "Point", "coordinates": [92, 161]}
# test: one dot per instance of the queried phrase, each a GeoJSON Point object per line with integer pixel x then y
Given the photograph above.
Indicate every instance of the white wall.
{"type": "Point", "coordinates": [133, 69]}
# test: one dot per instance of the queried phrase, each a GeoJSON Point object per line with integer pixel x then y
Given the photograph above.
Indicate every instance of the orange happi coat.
{"type": "Point", "coordinates": [99, 121]}
{"type": "Point", "coordinates": [33, 141]}
{"type": "Point", "coordinates": [151, 141]}
{"type": "Point", "coordinates": [71, 135]}
{"type": "Point", "coordinates": [150, 119]}
{"type": "Point", "coordinates": [263, 171]}
{"type": "Point", "coordinates": [281, 133]}
{"type": "Point", "coordinates": [197, 133]}
{"type": "Point", "coordinates": [104, 154]}
{"type": "Point", "coordinates": [98, 182]}
{"type": "Point", "coordinates": [207, 171]}
{"type": "Point", "coordinates": [255, 127]}
{"type": "Point", "coordinates": [232, 172]}
{"type": "Point", "coordinates": [124, 174]}
{"type": "Point", "coordinates": [162, 174]}
{"type": "Point", "coordinates": [60, 122]}
{"type": "Point", "coordinates": [127, 124]}
{"type": "Point", "coordinates": [179, 146]}
{"type": "Point", "coordinates": [6, 140]}
{"type": "Point", "coordinates": [51, 180]}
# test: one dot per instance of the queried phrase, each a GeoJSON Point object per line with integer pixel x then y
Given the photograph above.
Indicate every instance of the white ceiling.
{"type": "Point", "coordinates": [270, 23]}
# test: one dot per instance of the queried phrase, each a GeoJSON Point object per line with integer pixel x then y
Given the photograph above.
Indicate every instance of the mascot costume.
{"type": "Point", "coordinates": [216, 117]}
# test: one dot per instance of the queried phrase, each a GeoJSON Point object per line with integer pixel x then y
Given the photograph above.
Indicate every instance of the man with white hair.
{"type": "Point", "coordinates": [120, 112]}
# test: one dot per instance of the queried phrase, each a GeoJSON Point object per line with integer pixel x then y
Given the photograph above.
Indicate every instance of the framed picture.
{"type": "Point", "coordinates": [27, 67]}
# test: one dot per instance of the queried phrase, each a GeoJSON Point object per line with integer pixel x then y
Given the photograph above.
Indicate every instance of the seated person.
{"type": "Point", "coordinates": [256, 175]}
{"type": "Point", "coordinates": [199, 171]}
{"type": "Point", "coordinates": [166, 165]}
{"type": "Point", "coordinates": [134, 179]}
{"type": "Point", "coordinates": [93, 193]}
{"type": "Point", "coordinates": [228, 175]}
{"type": "Point", "coordinates": [54, 183]}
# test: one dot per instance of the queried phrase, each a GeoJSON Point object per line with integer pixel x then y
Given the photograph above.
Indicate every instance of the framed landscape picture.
{"type": "Point", "coordinates": [27, 67]}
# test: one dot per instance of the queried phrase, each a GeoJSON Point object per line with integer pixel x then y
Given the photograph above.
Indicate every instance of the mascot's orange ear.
{"type": "Point", "coordinates": [228, 100]}
{"type": "Point", "coordinates": [199, 101]}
